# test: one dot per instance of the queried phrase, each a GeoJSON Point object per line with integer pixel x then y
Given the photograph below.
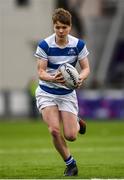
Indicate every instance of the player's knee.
{"type": "Point", "coordinates": [70, 137]}
{"type": "Point", "coordinates": [55, 132]}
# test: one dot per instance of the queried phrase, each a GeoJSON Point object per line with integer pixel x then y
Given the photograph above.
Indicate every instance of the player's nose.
{"type": "Point", "coordinates": [60, 30]}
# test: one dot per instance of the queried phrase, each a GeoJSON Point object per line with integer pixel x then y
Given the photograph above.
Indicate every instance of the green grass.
{"type": "Point", "coordinates": [26, 151]}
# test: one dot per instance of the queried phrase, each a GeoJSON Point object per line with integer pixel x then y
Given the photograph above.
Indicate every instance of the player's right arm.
{"type": "Point", "coordinates": [43, 75]}
{"type": "Point", "coordinates": [41, 67]}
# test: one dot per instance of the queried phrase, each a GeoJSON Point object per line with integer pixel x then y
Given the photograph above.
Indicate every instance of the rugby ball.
{"type": "Point", "coordinates": [70, 75]}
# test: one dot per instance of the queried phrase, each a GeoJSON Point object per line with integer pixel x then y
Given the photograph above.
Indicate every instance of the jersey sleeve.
{"type": "Point", "coordinates": [82, 50]}
{"type": "Point", "coordinates": [42, 50]}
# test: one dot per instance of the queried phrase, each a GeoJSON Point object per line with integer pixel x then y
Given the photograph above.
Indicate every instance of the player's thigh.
{"type": "Point", "coordinates": [70, 127]}
{"type": "Point", "coordinates": [51, 117]}
{"type": "Point", "coordinates": [48, 108]}
{"type": "Point", "coordinates": [69, 103]}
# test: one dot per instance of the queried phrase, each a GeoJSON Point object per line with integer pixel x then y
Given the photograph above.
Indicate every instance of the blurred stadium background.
{"type": "Point", "coordinates": [99, 22]}
{"type": "Point", "coordinates": [26, 150]}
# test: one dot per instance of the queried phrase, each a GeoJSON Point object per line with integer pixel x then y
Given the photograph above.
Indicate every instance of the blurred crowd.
{"type": "Point", "coordinates": [99, 22]}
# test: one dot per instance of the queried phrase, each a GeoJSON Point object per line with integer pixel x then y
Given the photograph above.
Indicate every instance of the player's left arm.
{"type": "Point", "coordinates": [85, 70]}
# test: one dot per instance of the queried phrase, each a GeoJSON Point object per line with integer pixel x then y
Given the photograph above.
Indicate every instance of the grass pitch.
{"type": "Point", "coordinates": [26, 151]}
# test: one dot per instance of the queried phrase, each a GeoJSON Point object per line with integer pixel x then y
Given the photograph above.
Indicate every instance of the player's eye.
{"type": "Point", "coordinates": [64, 27]}
{"type": "Point", "coordinates": [57, 27]}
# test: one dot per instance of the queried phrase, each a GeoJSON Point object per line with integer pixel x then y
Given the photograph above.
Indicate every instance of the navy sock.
{"type": "Point", "coordinates": [70, 161]}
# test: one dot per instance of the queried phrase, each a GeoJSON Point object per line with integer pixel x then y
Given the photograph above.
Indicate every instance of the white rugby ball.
{"type": "Point", "coordinates": [70, 75]}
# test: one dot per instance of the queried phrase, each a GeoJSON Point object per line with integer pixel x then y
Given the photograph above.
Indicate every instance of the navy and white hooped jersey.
{"type": "Point", "coordinates": [48, 50]}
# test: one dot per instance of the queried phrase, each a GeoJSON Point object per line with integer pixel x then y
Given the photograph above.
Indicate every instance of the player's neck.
{"type": "Point", "coordinates": [61, 41]}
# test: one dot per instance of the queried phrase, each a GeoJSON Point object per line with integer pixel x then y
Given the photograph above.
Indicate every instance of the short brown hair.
{"type": "Point", "coordinates": [62, 16]}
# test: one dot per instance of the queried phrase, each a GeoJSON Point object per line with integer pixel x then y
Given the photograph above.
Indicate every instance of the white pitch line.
{"type": "Point", "coordinates": [105, 179]}
{"type": "Point", "coordinates": [48, 150]}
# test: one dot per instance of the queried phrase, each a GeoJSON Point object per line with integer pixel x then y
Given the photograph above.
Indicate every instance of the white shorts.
{"type": "Point", "coordinates": [66, 102]}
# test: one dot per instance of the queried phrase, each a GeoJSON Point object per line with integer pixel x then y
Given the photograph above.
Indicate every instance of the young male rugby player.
{"type": "Point", "coordinates": [55, 101]}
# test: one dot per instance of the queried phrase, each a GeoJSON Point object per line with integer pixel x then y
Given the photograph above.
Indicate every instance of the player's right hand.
{"type": "Point", "coordinates": [59, 77]}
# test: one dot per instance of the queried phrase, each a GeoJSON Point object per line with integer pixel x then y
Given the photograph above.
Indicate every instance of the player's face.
{"type": "Point", "coordinates": [61, 30]}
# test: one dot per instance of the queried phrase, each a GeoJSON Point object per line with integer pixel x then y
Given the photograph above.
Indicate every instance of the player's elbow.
{"type": "Point", "coordinates": [41, 74]}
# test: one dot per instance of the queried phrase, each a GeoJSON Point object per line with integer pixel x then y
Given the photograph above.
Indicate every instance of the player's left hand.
{"type": "Point", "coordinates": [80, 82]}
